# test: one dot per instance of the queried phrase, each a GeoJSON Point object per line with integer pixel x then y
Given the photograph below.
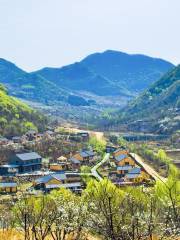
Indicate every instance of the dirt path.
{"type": "Point", "coordinates": [147, 168]}
{"type": "Point", "coordinates": [99, 135]}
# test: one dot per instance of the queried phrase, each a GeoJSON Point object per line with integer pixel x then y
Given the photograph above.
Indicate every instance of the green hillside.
{"type": "Point", "coordinates": [16, 117]}
{"type": "Point", "coordinates": [159, 105]}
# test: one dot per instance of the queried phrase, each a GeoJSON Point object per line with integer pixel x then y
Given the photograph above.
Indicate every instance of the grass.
{"type": "Point", "coordinates": [15, 235]}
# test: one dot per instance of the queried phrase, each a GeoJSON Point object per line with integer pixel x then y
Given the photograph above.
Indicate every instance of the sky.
{"type": "Point", "coordinates": [39, 33]}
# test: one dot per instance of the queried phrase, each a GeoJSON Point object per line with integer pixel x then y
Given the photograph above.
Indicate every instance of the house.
{"type": "Point", "coordinates": [8, 187]}
{"type": "Point", "coordinates": [84, 157]}
{"type": "Point", "coordinates": [3, 141]}
{"type": "Point", "coordinates": [17, 139]}
{"type": "Point", "coordinates": [122, 170]}
{"type": "Point", "coordinates": [136, 174]}
{"type": "Point", "coordinates": [110, 149]}
{"type": "Point", "coordinates": [119, 151]}
{"type": "Point", "coordinates": [124, 160]}
{"type": "Point", "coordinates": [84, 136]}
{"type": "Point", "coordinates": [73, 177]}
{"type": "Point", "coordinates": [27, 162]}
{"type": "Point", "coordinates": [31, 135]}
{"type": "Point", "coordinates": [127, 170]}
{"type": "Point", "coordinates": [9, 169]}
{"type": "Point", "coordinates": [61, 159]}
{"type": "Point", "coordinates": [75, 163]}
{"type": "Point", "coordinates": [50, 180]}
{"type": "Point", "coordinates": [59, 166]}
{"type": "Point", "coordinates": [71, 181]}
{"type": "Point", "coordinates": [74, 187]}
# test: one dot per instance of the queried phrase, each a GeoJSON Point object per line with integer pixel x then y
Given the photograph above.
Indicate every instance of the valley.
{"type": "Point", "coordinates": [85, 138]}
{"type": "Point", "coordinates": [89, 120]}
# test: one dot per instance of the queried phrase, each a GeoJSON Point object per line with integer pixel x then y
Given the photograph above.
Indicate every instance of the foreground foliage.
{"type": "Point", "coordinates": [133, 213]}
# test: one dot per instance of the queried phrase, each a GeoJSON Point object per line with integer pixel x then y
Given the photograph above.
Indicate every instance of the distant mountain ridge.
{"type": "Point", "coordinates": [110, 73]}
{"type": "Point", "coordinates": [134, 72]}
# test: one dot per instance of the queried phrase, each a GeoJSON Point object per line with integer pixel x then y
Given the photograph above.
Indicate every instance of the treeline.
{"type": "Point", "coordinates": [104, 210]}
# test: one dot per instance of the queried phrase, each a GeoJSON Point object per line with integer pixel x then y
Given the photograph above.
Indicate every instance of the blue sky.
{"type": "Point", "coordinates": [38, 33]}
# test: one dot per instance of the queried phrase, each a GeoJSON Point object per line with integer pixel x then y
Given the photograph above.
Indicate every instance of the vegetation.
{"type": "Point", "coordinates": [156, 157]}
{"type": "Point", "coordinates": [16, 117]}
{"type": "Point", "coordinates": [77, 101]}
{"type": "Point", "coordinates": [102, 209]}
{"type": "Point", "coordinates": [155, 110]}
{"type": "Point", "coordinates": [98, 145]}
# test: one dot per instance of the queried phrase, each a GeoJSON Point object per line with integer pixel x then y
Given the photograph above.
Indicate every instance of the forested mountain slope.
{"type": "Point", "coordinates": [16, 117]}
{"type": "Point", "coordinates": [159, 104]}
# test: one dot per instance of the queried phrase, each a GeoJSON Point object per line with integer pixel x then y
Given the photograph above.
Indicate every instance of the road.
{"type": "Point", "coordinates": [147, 168]}
{"type": "Point", "coordinates": [94, 169]}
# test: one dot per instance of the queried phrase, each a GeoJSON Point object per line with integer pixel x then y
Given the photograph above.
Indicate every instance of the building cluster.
{"type": "Point", "coordinates": [33, 135]}
{"type": "Point", "coordinates": [63, 172]}
{"type": "Point", "coordinates": [125, 170]}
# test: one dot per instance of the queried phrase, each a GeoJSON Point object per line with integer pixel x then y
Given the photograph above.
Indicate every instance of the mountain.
{"type": "Point", "coordinates": [78, 77]}
{"type": "Point", "coordinates": [16, 117]}
{"type": "Point", "coordinates": [28, 85]}
{"type": "Point", "coordinates": [158, 106]}
{"type": "Point", "coordinates": [100, 77]}
{"type": "Point", "coordinates": [109, 73]}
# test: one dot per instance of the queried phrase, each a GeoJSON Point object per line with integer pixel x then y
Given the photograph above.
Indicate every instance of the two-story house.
{"type": "Point", "coordinates": [27, 162]}
{"type": "Point", "coordinates": [84, 157]}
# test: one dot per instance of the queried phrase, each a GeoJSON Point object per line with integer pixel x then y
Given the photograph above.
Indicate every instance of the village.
{"type": "Point", "coordinates": [24, 168]}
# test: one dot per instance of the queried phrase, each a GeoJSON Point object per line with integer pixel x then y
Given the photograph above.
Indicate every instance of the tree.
{"type": "Point", "coordinates": [104, 200]}
{"type": "Point", "coordinates": [122, 142]}
{"type": "Point", "coordinates": [98, 145]}
{"type": "Point", "coordinates": [168, 194]}
{"type": "Point", "coordinates": [71, 215]}
{"type": "Point", "coordinates": [86, 170]}
{"type": "Point", "coordinates": [35, 216]}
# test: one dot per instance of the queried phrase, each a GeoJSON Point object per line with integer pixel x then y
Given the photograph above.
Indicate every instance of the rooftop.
{"type": "Point", "coordinates": [120, 157]}
{"type": "Point", "coordinates": [28, 156]}
{"type": "Point", "coordinates": [74, 160]}
{"type": "Point", "coordinates": [135, 170]}
{"type": "Point", "coordinates": [47, 178]}
{"type": "Point", "coordinates": [126, 167]}
{"type": "Point", "coordinates": [66, 185]}
{"type": "Point", "coordinates": [8, 184]}
{"type": "Point", "coordinates": [9, 166]}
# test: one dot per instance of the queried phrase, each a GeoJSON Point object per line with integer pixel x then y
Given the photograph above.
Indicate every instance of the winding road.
{"type": "Point", "coordinates": [94, 169]}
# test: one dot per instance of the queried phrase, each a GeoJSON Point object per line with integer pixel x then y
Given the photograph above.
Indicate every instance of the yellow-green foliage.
{"type": "Point", "coordinates": [15, 116]}
{"type": "Point", "coordinates": [98, 145]}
